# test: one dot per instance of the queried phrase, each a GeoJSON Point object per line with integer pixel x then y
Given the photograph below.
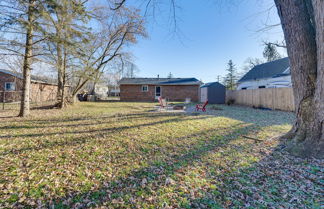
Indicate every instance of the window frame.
{"type": "Point", "coordinates": [147, 88]}
{"type": "Point", "coordinates": [11, 89]}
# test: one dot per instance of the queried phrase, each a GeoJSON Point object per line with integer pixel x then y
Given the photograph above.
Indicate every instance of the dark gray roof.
{"type": "Point", "coordinates": [267, 70]}
{"type": "Point", "coordinates": [36, 79]}
{"type": "Point", "coordinates": [210, 84]}
{"type": "Point", "coordinates": [159, 81]}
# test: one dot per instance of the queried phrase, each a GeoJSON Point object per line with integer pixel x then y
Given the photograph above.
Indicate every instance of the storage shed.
{"type": "Point", "coordinates": [214, 92]}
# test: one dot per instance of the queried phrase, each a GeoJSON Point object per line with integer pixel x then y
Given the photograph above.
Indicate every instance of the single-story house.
{"type": "Point", "coordinates": [11, 83]}
{"type": "Point", "coordinates": [274, 74]}
{"type": "Point", "coordinates": [149, 89]}
{"type": "Point", "coordinates": [214, 92]}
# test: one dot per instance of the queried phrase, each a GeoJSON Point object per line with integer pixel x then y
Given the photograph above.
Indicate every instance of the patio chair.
{"type": "Point", "coordinates": [202, 107]}
{"type": "Point", "coordinates": [162, 102]}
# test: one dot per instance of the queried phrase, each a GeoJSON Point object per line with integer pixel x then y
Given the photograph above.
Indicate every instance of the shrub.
{"type": "Point", "coordinates": [230, 101]}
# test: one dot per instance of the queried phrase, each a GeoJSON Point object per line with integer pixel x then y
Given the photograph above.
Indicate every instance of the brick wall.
{"type": "Point", "coordinates": [172, 92]}
{"type": "Point", "coordinates": [10, 96]}
{"type": "Point", "coordinates": [4, 77]}
{"type": "Point", "coordinates": [134, 93]}
{"type": "Point", "coordinates": [180, 93]}
{"type": "Point", "coordinates": [43, 92]}
{"type": "Point", "coordinates": [39, 92]}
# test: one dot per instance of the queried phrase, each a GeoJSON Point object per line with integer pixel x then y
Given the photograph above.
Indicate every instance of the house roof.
{"type": "Point", "coordinates": [210, 84]}
{"type": "Point", "coordinates": [159, 81]}
{"type": "Point", "coordinates": [268, 70]}
{"type": "Point", "coordinates": [35, 79]}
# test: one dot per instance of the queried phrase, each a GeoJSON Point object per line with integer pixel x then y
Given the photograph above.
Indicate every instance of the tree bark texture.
{"type": "Point", "coordinates": [304, 39]}
{"type": "Point", "coordinates": [60, 77]}
{"type": "Point", "coordinates": [318, 6]}
{"type": "Point", "coordinates": [25, 103]}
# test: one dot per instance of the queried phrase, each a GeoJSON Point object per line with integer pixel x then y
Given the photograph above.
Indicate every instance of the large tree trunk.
{"type": "Point", "coordinates": [60, 77]}
{"type": "Point", "coordinates": [74, 98]}
{"type": "Point", "coordinates": [24, 105]}
{"type": "Point", "coordinates": [80, 84]}
{"type": "Point", "coordinates": [306, 64]}
{"type": "Point", "coordinates": [319, 91]}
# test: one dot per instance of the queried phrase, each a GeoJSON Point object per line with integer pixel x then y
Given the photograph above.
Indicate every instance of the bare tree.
{"type": "Point", "coordinates": [128, 69]}
{"type": "Point", "coordinates": [249, 63]}
{"type": "Point", "coordinates": [66, 30]}
{"type": "Point", "coordinates": [281, 44]}
{"type": "Point", "coordinates": [303, 26]}
{"type": "Point", "coordinates": [270, 52]}
{"type": "Point", "coordinates": [107, 45]}
{"type": "Point", "coordinates": [18, 19]}
{"type": "Point", "coordinates": [24, 109]}
{"type": "Point", "coordinates": [13, 63]}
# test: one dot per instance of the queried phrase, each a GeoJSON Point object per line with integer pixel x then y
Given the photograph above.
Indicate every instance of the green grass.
{"type": "Point", "coordinates": [123, 155]}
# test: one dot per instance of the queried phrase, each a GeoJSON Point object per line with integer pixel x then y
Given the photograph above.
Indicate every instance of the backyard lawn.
{"type": "Point", "coordinates": [123, 155]}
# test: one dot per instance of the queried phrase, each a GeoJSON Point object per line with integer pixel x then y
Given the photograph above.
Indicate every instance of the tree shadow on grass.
{"type": "Point", "coordinates": [119, 192]}
{"type": "Point", "coordinates": [96, 120]}
{"type": "Point", "coordinates": [278, 180]}
{"type": "Point", "coordinates": [94, 133]}
{"type": "Point", "coordinates": [6, 117]}
{"type": "Point", "coordinates": [245, 114]}
{"type": "Point", "coordinates": [44, 107]}
{"type": "Point", "coordinates": [155, 174]}
{"type": "Point", "coordinates": [250, 115]}
{"type": "Point", "coordinates": [112, 129]}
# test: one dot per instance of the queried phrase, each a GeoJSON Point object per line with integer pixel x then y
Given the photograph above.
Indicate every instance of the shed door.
{"type": "Point", "coordinates": [203, 94]}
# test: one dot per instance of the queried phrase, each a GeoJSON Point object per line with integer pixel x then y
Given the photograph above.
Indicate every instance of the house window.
{"type": "Point", "coordinates": [10, 86]}
{"type": "Point", "coordinates": [144, 88]}
{"type": "Point", "coordinates": [261, 87]}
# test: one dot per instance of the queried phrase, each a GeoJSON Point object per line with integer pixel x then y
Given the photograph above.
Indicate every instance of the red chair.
{"type": "Point", "coordinates": [202, 106]}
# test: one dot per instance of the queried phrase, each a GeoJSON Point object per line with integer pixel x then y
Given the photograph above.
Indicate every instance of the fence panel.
{"type": "Point", "coordinates": [10, 100]}
{"type": "Point", "coordinates": [274, 98]}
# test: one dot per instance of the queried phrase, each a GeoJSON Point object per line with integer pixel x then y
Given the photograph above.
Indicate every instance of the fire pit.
{"type": "Point", "coordinates": [179, 107]}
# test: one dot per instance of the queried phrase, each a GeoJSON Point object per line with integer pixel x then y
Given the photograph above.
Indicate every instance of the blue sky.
{"type": "Point", "coordinates": [209, 34]}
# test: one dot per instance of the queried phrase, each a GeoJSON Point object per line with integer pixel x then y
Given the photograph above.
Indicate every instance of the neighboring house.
{"type": "Point", "coordinates": [101, 91]}
{"type": "Point", "coordinates": [113, 91]}
{"type": "Point", "coordinates": [275, 74]}
{"type": "Point", "coordinates": [214, 92]}
{"type": "Point", "coordinates": [149, 89]}
{"type": "Point", "coordinates": [41, 89]}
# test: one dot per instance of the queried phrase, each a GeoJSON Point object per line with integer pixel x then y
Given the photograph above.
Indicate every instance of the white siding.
{"type": "Point", "coordinates": [283, 81]}
{"type": "Point", "coordinates": [101, 90]}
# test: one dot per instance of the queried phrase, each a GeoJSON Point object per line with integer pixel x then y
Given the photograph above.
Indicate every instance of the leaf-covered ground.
{"type": "Point", "coordinates": [123, 155]}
